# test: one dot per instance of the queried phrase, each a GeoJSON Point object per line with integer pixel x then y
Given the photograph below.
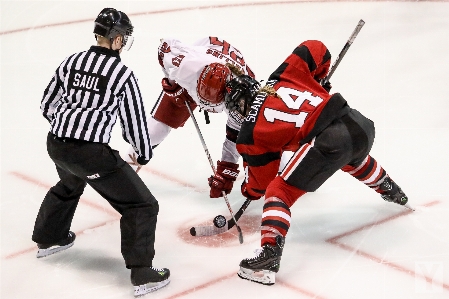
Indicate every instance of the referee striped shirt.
{"type": "Point", "coordinates": [87, 93]}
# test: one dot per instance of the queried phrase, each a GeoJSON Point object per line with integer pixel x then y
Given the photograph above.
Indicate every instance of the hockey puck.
{"type": "Point", "coordinates": [219, 221]}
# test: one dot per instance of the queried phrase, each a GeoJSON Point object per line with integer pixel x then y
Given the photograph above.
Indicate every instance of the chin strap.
{"type": "Point", "coordinates": [206, 117]}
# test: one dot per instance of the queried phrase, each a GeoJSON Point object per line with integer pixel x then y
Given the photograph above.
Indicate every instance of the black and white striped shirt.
{"type": "Point", "coordinates": [87, 93]}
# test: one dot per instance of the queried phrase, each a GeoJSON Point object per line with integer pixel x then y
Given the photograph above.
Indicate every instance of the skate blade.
{"type": "Point", "coordinates": [149, 287]}
{"type": "Point", "coordinates": [409, 207]}
{"type": "Point", "coordinates": [264, 277]}
{"type": "Point", "coordinates": [52, 250]}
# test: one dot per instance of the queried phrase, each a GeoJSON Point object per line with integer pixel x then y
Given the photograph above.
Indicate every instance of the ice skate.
{"type": "Point", "coordinates": [47, 249]}
{"type": "Point", "coordinates": [393, 193]}
{"type": "Point", "coordinates": [148, 279]}
{"type": "Point", "coordinates": [263, 268]}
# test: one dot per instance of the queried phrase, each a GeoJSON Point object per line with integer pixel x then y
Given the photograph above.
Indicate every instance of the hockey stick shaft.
{"type": "Point", "coordinates": [213, 169]}
{"type": "Point", "coordinates": [206, 150]}
{"type": "Point", "coordinates": [344, 50]}
{"type": "Point", "coordinates": [210, 230]}
{"type": "Point", "coordinates": [239, 213]}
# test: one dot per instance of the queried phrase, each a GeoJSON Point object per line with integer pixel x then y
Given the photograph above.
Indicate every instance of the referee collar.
{"type": "Point", "coordinates": [104, 51]}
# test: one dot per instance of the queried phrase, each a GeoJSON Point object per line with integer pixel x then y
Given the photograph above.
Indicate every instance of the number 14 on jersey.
{"type": "Point", "coordinates": [293, 99]}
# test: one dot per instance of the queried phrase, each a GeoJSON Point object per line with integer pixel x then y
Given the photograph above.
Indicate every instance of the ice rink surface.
{"type": "Point", "coordinates": [344, 242]}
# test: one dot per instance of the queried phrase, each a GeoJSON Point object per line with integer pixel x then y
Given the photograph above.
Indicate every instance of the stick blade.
{"type": "Point", "coordinates": [240, 234]}
{"type": "Point", "coordinates": [210, 230]}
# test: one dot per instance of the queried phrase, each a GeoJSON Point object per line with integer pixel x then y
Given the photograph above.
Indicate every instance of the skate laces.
{"type": "Point", "coordinates": [257, 253]}
{"type": "Point", "coordinates": [157, 269]}
{"type": "Point", "coordinates": [160, 271]}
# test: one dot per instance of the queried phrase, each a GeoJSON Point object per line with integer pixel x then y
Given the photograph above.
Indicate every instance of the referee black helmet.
{"type": "Point", "coordinates": [111, 22]}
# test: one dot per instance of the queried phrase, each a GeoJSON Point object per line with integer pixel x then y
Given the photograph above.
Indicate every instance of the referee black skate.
{"type": "Point", "coordinates": [88, 93]}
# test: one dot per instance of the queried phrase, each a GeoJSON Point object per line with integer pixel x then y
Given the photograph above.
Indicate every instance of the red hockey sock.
{"type": "Point", "coordinates": [279, 197]}
{"type": "Point", "coordinates": [368, 172]}
{"type": "Point", "coordinates": [275, 220]}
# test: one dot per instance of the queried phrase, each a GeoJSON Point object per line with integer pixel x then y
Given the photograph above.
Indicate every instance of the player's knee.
{"type": "Point", "coordinates": [284, 191]}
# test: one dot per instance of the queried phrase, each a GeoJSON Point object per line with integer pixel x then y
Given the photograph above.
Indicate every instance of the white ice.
{"type": "Point", "coordinates": [344, 241]}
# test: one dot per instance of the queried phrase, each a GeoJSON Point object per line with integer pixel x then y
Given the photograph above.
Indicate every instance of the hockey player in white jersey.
{"type": "Point", "coordinates": [197, 74]}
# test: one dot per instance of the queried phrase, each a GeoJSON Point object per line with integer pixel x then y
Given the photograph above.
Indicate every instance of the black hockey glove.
{"type": "Point", "coordinates": [327, 86]}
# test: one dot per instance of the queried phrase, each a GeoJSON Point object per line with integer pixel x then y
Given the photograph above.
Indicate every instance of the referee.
{"type": "Point", "coordinates": [82, 102]}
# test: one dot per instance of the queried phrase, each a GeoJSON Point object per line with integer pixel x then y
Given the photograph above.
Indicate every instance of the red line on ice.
{"type": "Point", "coordinates": [201, 286]}
{"type": "Point", "coordinates": [164, 11]}
{"type": "Point", "coordinates": [39, 183]}
{"type": "Point", "coordinates": [87, 202]}
{"type": "Point", "coordinates": [234, 274]}
{"type": "Point", "coordinates": [115, 215]}
{"type": "Point", "coordinates": [34, 248]}
{"type": "Point", "coordinates": [299, 290]}
{"type": "Point", "coordinates": [397, 267]}
{"type": "Point", "coordinates": [173, 179]}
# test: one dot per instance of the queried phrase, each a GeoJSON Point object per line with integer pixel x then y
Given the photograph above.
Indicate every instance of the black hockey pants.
{"type": "Point", "coordinates": [79, 162]}
{"type": "Point", "coordinates": [346, 141]}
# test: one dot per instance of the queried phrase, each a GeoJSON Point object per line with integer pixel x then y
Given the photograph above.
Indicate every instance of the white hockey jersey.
{"type": "Point", "coordinates": [184, 63]}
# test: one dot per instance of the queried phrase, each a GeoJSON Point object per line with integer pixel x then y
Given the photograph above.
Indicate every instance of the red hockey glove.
{"type": "Point", "coordinates": [246, 194]}
{"type": "Point", "coordinates": [175, 93]}
{"type": "Point", "coordinates": [224, 178]}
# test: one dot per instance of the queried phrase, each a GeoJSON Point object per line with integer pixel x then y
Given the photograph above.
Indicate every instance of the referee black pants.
{"type": "Point", "coordinates": [79, 163]}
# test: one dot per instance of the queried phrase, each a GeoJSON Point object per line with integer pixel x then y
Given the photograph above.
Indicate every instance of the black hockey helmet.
{"type": "Point", "coordinates": [111, 22]}
{"type": "Point", "coordinates": [240, 93]}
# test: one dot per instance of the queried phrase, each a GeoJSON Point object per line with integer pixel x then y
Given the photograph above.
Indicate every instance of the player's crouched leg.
{"type": "Point", "coordinates": [262, 268]}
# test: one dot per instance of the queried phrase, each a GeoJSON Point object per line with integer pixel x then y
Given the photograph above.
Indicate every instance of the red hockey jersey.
{"type": "Point", "coordinates": [301, 109]}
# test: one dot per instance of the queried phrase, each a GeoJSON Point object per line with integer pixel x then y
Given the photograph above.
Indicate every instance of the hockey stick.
{"type": "Point", "coordinates": [214, 171]}
{"type": "Point", "coordinates": [337, 62]}
{"type": "Point", "coordinates": [210, 230]}
{"type": "Point", "coordinates": [343, 51]}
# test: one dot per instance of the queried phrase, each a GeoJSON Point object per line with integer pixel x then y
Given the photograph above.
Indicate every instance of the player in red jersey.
{"type": "Point", "coordinates": [294, 113]}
